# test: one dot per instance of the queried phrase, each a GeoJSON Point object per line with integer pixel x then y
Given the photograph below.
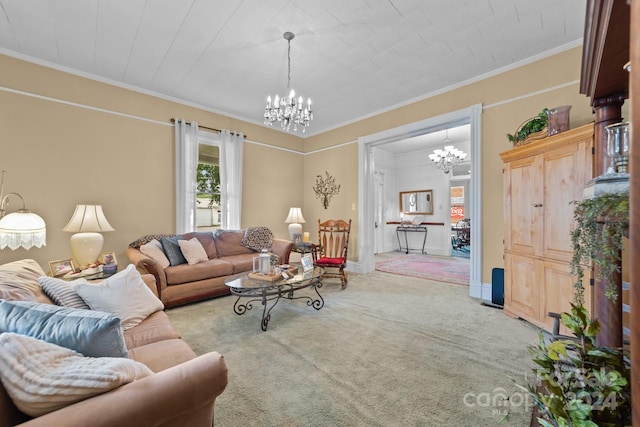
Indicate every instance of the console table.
{"type": "Point", "coordinates": [406, 229]}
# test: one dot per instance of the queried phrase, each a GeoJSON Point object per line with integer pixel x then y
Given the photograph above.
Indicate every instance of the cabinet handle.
{"type": "Point", "coordinates": [537, 205]}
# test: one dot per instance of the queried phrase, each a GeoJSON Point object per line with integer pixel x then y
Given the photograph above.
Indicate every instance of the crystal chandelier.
{"type": "Point", "coordinates": [287, 109]}
{"type": "Point", "coordinates": [447, 157]}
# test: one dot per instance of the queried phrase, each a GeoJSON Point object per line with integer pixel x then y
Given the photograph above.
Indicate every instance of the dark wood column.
{"type": "Point", "coordinates": [608, 110]}
{"type": "Point", "coordinates": [608, 313]}
{"type": "Point", "coordinates": [634, 212]}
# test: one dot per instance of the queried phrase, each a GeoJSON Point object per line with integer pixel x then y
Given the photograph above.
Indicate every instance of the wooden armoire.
{"type": "Point", "coordinates": [541, 180]}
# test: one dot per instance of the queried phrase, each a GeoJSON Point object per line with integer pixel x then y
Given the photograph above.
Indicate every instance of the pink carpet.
{"type": "Point", "coordinates": [442, 269]}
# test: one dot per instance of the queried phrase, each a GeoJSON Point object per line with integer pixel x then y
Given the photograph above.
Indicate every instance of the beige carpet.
{"type": "Point", "coordinates": [387, 351]}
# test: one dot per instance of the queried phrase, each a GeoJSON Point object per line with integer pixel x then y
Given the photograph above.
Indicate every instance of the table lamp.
{"type": "Point", "coordinates": [294, 219]}
{"type": "Point", "coordinates": [21, 228]}
{"type": "Point", "coordinates": [87, 222]}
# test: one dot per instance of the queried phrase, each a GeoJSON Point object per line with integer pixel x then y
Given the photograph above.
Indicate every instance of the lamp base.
{"type": "Point", "coordinates": [295, 232]}
{"type": "Point", "coordinates": [86, 248]}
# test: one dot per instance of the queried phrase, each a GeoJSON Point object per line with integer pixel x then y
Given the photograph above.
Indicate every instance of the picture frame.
{"type": "Point", "coordinates": [107, 258]}
{"type": "Point", "coordinates": [307, 263]}
{"type": "Point", "coordinates": [61, 267]}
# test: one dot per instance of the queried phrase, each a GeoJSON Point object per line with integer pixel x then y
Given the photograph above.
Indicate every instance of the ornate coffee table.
{"type": "Point", "coordinates": [266, 291]}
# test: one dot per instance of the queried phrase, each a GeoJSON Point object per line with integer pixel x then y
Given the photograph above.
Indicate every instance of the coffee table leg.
{"type": "Point", "coordinates": [318, 303]}
{"type": "Point", "coordinates": [266, 314]}
{"type": "Point", "coordinates": [242, 308]}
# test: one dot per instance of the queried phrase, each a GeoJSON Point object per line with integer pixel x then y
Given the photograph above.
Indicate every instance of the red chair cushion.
{"type": "Point", "coordinates": [333, 261]}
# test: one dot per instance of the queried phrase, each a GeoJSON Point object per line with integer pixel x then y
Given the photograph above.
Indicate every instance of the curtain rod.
{"type": "Point", "coordinates": [206, 127]}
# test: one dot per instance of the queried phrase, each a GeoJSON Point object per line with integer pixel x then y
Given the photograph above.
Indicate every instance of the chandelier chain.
{"type": "Point", "coordinates": [288, 65]}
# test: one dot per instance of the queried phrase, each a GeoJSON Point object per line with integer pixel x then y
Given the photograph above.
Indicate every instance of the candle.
{"type": "Point", "coordinates": [305, 237]}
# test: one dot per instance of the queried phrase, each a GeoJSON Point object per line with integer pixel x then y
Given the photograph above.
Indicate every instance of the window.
{"type": "Point", "coordinates": [208, 198]}
{"type": "Point", "coordinates": [210, 165]}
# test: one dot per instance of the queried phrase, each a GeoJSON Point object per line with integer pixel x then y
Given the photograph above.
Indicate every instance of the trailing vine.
{"type": "Point", "coordinates": [603, 247]}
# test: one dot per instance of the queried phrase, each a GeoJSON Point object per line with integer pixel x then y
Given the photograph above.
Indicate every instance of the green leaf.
{"type": "Point", "coordinates": [557, 349]}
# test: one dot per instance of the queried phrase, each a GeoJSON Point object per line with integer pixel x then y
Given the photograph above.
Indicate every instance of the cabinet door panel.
{"type": "Point", "coordinates": [523, 193]}
{"type": "Point", "coordinates": [522, 294]}
{"type": "Point", "coordinates": [557, 293]}
{"type": "Point", "coordinates": [565, 176]}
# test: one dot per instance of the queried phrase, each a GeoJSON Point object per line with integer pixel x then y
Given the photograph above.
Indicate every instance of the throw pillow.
{"type": "Point", "coordinates": [193, 251]}
{"type": "Point", "coordinates": [146, 239]}
{"type": "Point", "coordinates": [124, 294]}
{"type": "Point", "coordinates": [91, 333]}
{"type": "Point", "coordinates": [153, 250]}
{"type": "Point", "coordinates": [23, 274]}
{"type": "Point", "coordinates": [41, 377]}
{"type": "Point", "coordinates": [62, 293]}
{"type": "Point", "coordinates": [257, 238]}
{"type": "Point", "coordinates": [172, 250]}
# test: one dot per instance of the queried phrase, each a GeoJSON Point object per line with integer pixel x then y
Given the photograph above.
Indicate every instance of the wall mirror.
{"type": "Point", "coordinates": [417, 202]}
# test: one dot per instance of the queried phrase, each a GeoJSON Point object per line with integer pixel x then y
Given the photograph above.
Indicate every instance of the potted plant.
{"type": "Point", "coordinates": [579, 384]}
{"type": "Point", "coordinates": [533, 128]}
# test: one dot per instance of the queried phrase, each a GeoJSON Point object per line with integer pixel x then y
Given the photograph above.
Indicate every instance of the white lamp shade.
{"type": "Point", "coordinates": [294, 219]}
{"type": "Point", "coordinates": [88, 218]}
{"type": "Point", "coordinates": [22, 229]}
{"type": "Point", "coordinates": [295, 216]}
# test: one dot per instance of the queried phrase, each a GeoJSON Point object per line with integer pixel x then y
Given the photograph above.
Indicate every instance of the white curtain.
{"type": "Point", "coordinates": [186, 137]}
{"type": "Point", "coordinates": [231, 145]}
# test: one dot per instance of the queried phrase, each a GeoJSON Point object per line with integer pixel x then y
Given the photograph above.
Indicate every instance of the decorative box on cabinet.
{"type": "Point", "coordinates": [541, 180]}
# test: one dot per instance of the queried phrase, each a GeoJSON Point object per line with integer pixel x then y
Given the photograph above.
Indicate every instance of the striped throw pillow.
{"type": "Point", "coordinates": [62, 293]}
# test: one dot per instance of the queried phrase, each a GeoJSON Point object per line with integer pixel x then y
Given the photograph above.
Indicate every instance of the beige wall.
{"type": "Point", "coordinates": [58, 155]}
{"type": "Point", "coordinates": [508, 100]}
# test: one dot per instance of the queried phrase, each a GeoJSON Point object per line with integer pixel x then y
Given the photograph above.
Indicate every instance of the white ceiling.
{"type": "Point", "coordinates": [353, 58]}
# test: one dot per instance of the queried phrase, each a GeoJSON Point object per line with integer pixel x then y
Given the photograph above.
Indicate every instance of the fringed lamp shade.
{"type": "Point", "coordinates": [22, 229]}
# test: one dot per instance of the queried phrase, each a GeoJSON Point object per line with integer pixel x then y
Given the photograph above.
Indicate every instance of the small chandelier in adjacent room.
{"type": "Point", "coordinates": [287, 109]}
{"type": "Point", "coordinates": [447, 158]}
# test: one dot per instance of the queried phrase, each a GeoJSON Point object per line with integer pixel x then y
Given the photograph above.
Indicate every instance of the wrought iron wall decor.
{"type": "Point", "coordinates": [325, 188]}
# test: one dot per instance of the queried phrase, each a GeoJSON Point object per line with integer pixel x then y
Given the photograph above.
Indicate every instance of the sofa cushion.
{"type": "Point", "coordinates": [153, 250]}
{"type": "Point", "coordinates": [124, 294]}
{"type": "Point", "coordinates": [172, 250]}
{"type": "Point", "coordinates": [91, 333]}
{"type": "Point", "coordinates": [241, 263]}
{"type": "Point", "coordinates": [61, 292]}
{"type": "Point", "coordinates": [42, 377]}
{"type": "Point", "coordinates": [206, 239]}
{"type": "Point", "coordinates": [228, 242]}
{"type": "Point", "coordinates": [161, 355]}
{"type": "Point", "coordinates": [192, 251]}
{"type": "Point", "coordinates": [146, 239]}
{"type": "Point", "coordinates": [257, 238]}
{"type": "Point", "coordinates": [179, 274]}
{"type": "Point", "coordinates": [156, 327]}
{"type": "Point", "coordinates": [11, 293]}
{"type": "Point", "coordinates": [23, 274]}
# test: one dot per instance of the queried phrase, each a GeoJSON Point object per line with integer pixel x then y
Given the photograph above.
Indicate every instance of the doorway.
{"type": "Point", "coordinates": [366, 196]}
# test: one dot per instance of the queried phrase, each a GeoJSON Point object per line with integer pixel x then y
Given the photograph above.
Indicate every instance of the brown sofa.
{"type": "Point", "coordinates": [184, 283]}
{"type": "Point", "coordinates": [181, 392]}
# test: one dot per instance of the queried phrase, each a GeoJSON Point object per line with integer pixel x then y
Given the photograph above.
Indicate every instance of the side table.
{"type": "Point", "coordinates": [410, 229]}
{"type": "Point", "coordinates": [308, 248]}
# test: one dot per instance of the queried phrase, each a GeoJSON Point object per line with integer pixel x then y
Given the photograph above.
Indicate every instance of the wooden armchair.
{"type": "Point", "coordinates": [333, 241]}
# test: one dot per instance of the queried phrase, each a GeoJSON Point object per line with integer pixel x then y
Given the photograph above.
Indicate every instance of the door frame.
{"type": "Point", "coordinates": [366, 196]}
